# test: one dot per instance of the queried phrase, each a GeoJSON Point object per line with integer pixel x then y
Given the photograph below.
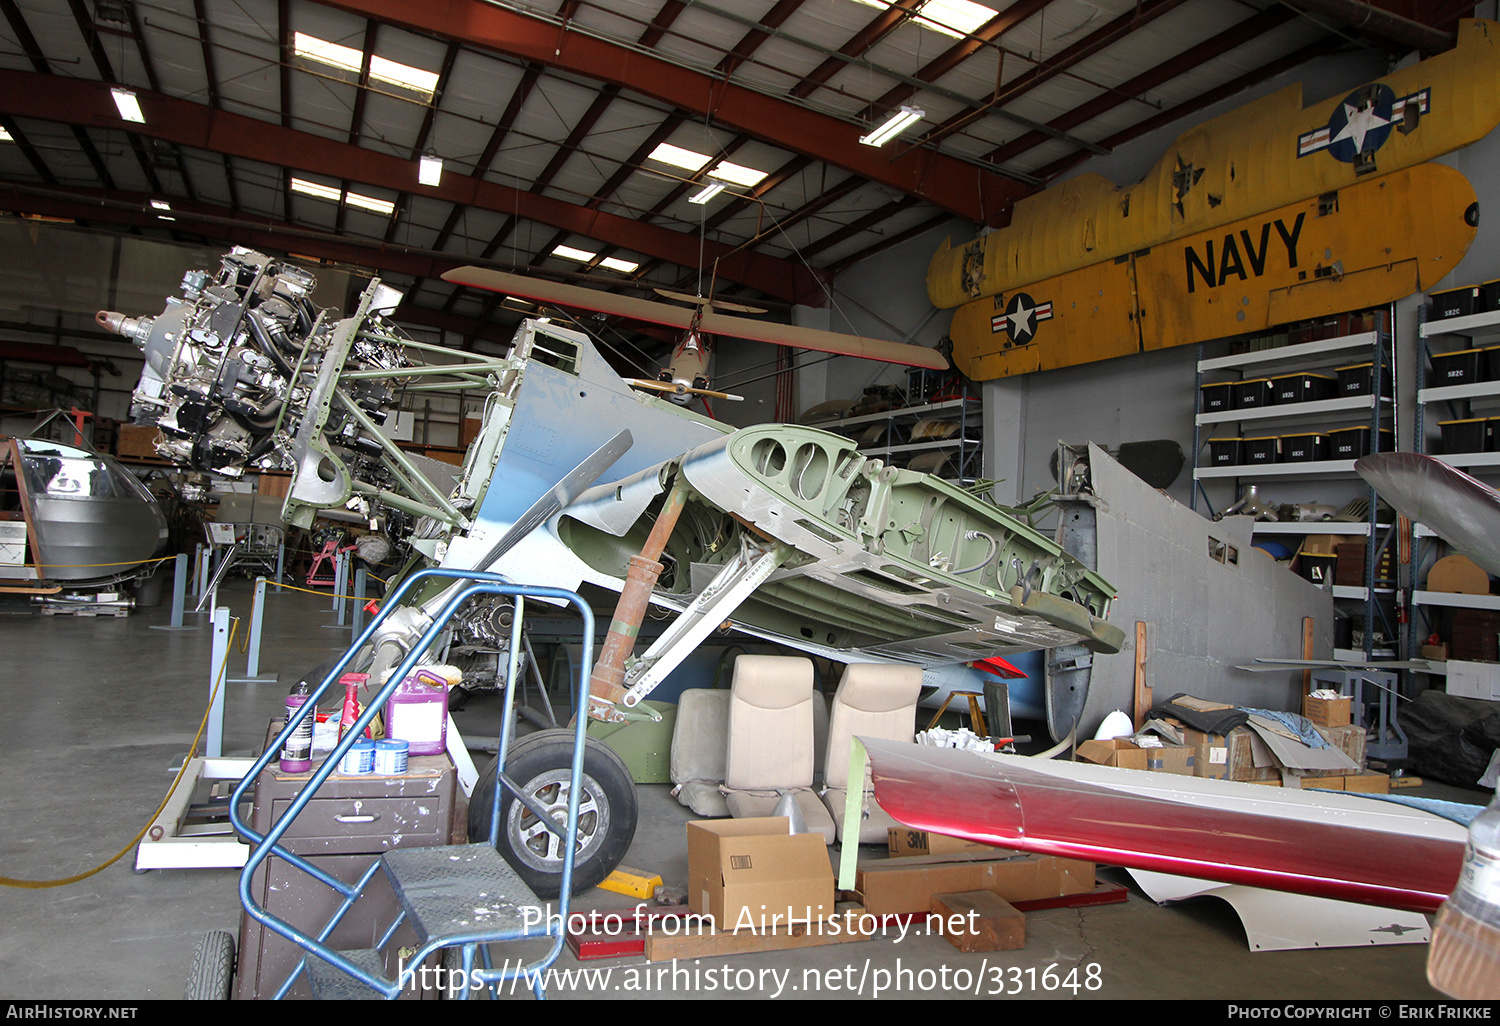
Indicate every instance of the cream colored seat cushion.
{"type": "Point", "coordinates": [872, 700]}
{"type": "Point", "coordinates": [770, 746]}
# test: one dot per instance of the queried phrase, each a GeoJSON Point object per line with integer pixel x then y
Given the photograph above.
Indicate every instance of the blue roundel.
{"type": "Point", "coordinates": [1361, 123]}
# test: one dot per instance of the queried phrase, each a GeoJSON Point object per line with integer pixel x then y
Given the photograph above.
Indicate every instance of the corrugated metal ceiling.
{"type": "Point", "coordinates": [546, 111]}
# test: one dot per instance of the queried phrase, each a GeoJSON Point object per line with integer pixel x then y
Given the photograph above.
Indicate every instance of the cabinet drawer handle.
{"type": "Point", "coordinates": [356, 819]}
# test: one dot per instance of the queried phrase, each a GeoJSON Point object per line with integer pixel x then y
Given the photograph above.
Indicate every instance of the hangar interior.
{"type": "Point", "coordinates": [1077, 419]}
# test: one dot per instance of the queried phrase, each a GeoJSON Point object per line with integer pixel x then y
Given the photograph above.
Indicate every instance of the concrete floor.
{"type": "Point", "coordinates": [99, 711]}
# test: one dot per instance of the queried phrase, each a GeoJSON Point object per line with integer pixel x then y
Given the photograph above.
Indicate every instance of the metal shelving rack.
{"type": "Point", "coordinates": [1378, 408]}
{"type": "Point", "coordinates": [967, 450]}
{"type": "Point", "coordinates": [1470, 328]}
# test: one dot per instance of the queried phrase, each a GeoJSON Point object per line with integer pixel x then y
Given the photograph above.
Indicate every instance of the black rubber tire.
{"type": "Point", "coordinates": [213, 968]}
{"type": "Point", "coordinates": [539, 764]}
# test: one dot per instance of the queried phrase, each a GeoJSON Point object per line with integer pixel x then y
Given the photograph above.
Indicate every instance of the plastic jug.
{"type": "Point", "coordinates": [418, 713]}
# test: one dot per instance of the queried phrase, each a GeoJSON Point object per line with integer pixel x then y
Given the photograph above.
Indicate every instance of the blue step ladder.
{"type": "Point", "coordinates": [457, 899]}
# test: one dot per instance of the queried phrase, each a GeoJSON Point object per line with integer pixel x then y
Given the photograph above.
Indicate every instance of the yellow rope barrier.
{"type": "Point", "coordinates": [202, 725]}
{"type": "Point", "coordinates": [76, 566]}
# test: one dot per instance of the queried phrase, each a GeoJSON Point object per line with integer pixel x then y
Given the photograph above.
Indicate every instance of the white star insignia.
{"type": "Point", "coordinates": [1361, 122]}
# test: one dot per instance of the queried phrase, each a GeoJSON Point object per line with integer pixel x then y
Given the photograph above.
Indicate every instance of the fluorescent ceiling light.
{"type": "Point", "coordinates": [348, 59]}
{"type": "Point", "coordinates": [128, 106]}
{"type": "Point", "coordinates": [623, 266]}
{"type": "Point", "coordinates": [736, 174]}
{"type": "Point", "coordinates": [430, 170]}
{"type": "Point", "coordinates": [307, 188]}
{"type": "Point", "coordinates": [679, 157]}
{"type": "Point", "coordinates": [707, 193]}
{"type": "Point", "coordinates": [899, 121]}
{"type": "Point", "coordinates": [569, 253]}
{"type": "Point", "coordinates": [161, 205]}
{"type": "Point", "coordinates": [370, 203]}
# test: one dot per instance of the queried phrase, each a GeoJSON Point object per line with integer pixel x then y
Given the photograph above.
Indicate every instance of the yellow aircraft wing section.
{"type": "Point", "coordinates": [1361, 246]}
{"type": "Point", "coordinates": [1259, 158]}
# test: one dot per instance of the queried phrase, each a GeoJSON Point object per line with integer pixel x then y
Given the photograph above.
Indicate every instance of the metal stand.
{"type": "Point", "coordinates": [179, 596]}
{"type": "Point", "coordinates": [257, 625]}
{"type": "Point", "coordinates": [1387, 741]}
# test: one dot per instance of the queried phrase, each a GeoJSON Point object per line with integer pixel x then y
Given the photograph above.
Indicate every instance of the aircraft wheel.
{"type": "Point", "coordinates": [539, 764]}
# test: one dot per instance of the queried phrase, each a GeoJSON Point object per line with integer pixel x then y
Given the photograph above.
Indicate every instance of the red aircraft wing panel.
{"type": "Point", "coordinates": [1323, 844]}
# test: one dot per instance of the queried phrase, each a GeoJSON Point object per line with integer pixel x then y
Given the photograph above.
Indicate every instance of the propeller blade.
{"type": "Point", "coordinates": [667, 386]}
{"type": "Point", "coordinates": [715, 324]}
{"type": "Point", "coordinates": [1463, 511]}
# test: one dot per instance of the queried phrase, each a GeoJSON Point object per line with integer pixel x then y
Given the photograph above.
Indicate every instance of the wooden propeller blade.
{"type": "Point", "coordinates": [712, 304]}
{"type": "Point", "coordinates": [667, 386]}
{"type": "Point", "coordinates": [712, 323]}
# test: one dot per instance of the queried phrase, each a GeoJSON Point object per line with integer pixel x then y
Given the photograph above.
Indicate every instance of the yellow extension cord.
{"type": "Point", "coordinates": [8, 881]}
{"type": "Point", "coordinates": [202, 725]}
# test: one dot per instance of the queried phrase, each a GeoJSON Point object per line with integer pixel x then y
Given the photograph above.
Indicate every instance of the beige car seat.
{"type": "Point", "coordinates": [872, 700]}
{"type": "Point", "coordinates": [769, 752]}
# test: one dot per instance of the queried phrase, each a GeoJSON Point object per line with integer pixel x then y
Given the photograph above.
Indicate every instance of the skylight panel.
{"type": "Point", "coordinates": [316, 190]}
{"type": "Point", "coordinates": [689, 160]}
{"type": "Point", "coordinates": [348, 59]}
{"type": "Point", "coordinates": [955, 18]}
{"type": "Point", "coordinates": [378, 206]}
{"type": "Point", "coordinates": [569, 253]}
{"type": "Point", "coordinates": [736, 174]}
{"type": "Point", "coordinates": [616, 264]}
{"type": "Point", "coordinates": [333, 195]}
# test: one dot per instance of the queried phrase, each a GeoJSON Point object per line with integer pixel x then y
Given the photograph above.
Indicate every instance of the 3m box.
{"type": "Point", "coordinates": [903, 842]}
{"type": "Point", "coordinates": [889, 886]}
{"type": "Point", "coordinates": [1474, 680]}
{"type": "Point", "coordinates": [753, 867]}
{"type": "Point", "coordinates": [1114, 752]}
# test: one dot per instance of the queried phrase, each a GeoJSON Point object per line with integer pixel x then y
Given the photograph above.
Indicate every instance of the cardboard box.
{"type": "Point", "coordinates": [1458, 574]}
{"type": "Point", "coordinates": [275, 485]}
{"type": "Point", "coordinates": [1320, 544]}
{"type": "Point", "coordinates": [1226, 757]}
{"type": "Point", "coordinates": [137, 441]}
{"type": "Point", "coordinates": [1474, 680]}
{"type": "Point", "coordinates": [1114, 752]}
{"type": "Point", "coordinates": [1348, 739]}
{"type": "Point", "coordinates": [753, 868]}
{"type": "Point", "coordinates": [980, 921]}
{"type": "Point", "coordinates": [890, 886]}
{"type": "Point", "coordinates": [1328, 712]}
{"type": "Point", "coordinates": [903, 842]}
{"type": "Point", "coordinates": [1177, 759]}
{"type": "Point", "coordinates": [1210, 753]}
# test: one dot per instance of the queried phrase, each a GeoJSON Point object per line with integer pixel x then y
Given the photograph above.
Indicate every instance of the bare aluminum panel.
{"type": "Point", "coordinates": [1276, 921]}
{"type": "Point", "coordinates": [1204, 616]}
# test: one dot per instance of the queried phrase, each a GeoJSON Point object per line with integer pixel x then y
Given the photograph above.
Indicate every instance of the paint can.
{"type": "Point", "coordinates": [359, 760]}
{"type": "Point", "coordinates": [390, 757]}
